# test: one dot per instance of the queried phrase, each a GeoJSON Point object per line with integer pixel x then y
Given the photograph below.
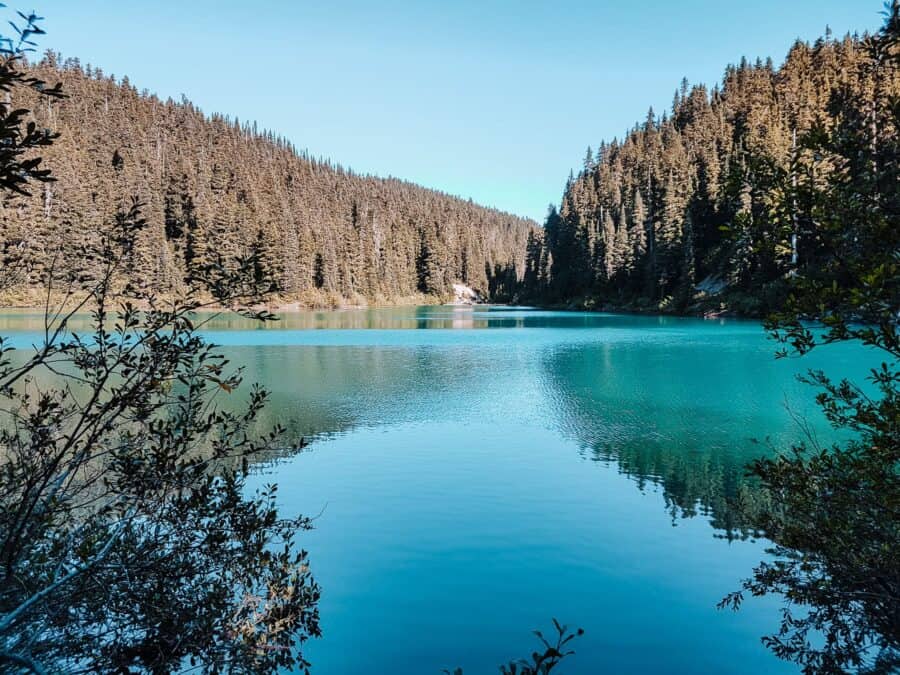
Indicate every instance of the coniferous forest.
{"type": "Point", "coordinates": [214, 186]}
{"type": "Point", "coordinates": [465, 481]}
{"type": "Point", "coordinates": [703, 208]}
{"type": "Point", "coordinates": [710, 206]}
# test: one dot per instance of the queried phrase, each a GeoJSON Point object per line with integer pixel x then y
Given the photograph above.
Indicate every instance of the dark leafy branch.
{"type": "Point", "coordinates": [835, 514]}
{"type": "Point", "coordinates": [542, 662]}
{"type": "Point", "coordinates": [128, 541]}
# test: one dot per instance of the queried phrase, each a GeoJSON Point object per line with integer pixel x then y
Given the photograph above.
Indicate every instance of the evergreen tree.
{"type": "Point", "coordinates": [215, 187]}
{"type": "Point", "coordinates": [834, 517]}
{"type": "Point", "coordinates": [710, 182]}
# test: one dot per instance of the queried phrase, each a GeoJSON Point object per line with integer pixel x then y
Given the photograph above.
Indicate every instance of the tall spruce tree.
{"type": "Point", "coordinates": [719, 183]}
{"type": "Point", "coordinates": [835, 515]}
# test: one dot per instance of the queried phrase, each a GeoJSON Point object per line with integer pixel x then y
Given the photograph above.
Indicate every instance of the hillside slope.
{"type": "Point", "coordinates": [212, 185]}
{"type": "Point", "coordinates": [714, 202]}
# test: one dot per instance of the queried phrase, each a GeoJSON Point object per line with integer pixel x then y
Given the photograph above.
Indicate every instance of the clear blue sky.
{"type": "Point", "coordinates": [490, 100]}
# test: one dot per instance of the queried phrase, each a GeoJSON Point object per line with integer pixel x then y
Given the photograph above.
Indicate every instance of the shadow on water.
{"type": "Point", "coordinates": [687, 416]}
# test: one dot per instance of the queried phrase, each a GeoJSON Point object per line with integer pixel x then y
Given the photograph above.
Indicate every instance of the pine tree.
{"type": "Point", "coordinates": [217, 187]}
{"type": "Point", "coordinates": [717, 184]}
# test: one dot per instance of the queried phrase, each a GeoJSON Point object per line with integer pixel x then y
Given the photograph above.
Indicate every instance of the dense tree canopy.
{"type": "Point", "coordinates": [775, 193]}
{"type": "Point", "coordinates": [217, 186]}
{"type": "Point", "coordinates": [129, 542]}
{"type": "Point", "coordinates": [834, 516]}
{"type": "Point", "coordinates": [714, 195]}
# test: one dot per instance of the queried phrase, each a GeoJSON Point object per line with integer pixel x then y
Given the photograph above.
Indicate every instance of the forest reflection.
{"type": "Point", "coordinates": [674, 404]}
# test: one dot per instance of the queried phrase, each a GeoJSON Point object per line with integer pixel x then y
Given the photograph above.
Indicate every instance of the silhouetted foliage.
{"type": "Point", "coordinates": [128, 540]}
{"type": "Point", "coordinates": [18, 134]}
{"type": "Point", "coordinates": [835, 514]}
{"type": "Point", "coordinates": [542, 662]}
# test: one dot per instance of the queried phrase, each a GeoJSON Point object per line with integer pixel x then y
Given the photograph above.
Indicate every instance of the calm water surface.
{"type": "Point", "coordinates": [480, 471]}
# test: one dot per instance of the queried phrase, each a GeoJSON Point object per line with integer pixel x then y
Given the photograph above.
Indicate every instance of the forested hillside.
{"type": "Point", "coordinates": [713, 205]}
{"type": "Point", "coordinates": [214, 185]}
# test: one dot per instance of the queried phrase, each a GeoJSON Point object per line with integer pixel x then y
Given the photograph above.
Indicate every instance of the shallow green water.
{"type": "Point", "coordinates": [479, 471]}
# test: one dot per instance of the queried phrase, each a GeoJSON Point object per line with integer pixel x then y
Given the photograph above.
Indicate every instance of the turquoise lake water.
{"type": "Point", "coordinates": [478, 471]}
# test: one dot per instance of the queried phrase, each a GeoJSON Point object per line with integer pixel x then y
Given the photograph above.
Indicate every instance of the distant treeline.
{"type": "Point", "coordinates": [213, 186]}
{"type": "Point", "coordinates": [713, 203]}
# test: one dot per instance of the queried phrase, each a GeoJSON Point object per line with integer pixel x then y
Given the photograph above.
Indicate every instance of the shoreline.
{"type": "Point", "coordinates": [30, 301]}
{"type": "Point", "coordinates": [292, 307]}
{"type": "Point", "coordinates": [296, 307]}
{"type": "Point", "coordinates": [705, 308]}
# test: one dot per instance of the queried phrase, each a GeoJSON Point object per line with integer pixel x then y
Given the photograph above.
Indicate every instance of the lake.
{"type": "Point", "coordinates": [476, 472]}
